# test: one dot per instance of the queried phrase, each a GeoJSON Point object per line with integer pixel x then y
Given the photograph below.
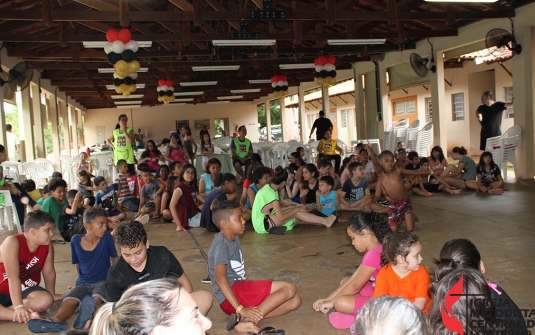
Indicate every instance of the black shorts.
{"type": "Point", "coordinates": [247, 161]}
{"type": "Point", "coordinates": [5, 299]}
{"type": "Point", "coordinates": [317, 213]}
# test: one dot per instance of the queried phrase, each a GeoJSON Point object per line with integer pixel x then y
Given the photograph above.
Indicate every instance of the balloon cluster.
{"type": "Point", "coordinates": [121, 53]}
{"type": "Point", "coordinates": [325, 70]}
{"type": "Point", "coordinates": [165, 91]}
{"type": "Point", "coordinates": [280, 86]}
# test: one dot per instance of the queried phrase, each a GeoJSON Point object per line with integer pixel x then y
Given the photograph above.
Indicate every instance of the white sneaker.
{"type": "Point", "coordinates": [143, 219]}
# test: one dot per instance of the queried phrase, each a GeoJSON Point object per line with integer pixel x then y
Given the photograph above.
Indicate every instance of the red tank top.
{"type": "Point", "coordinates": [30, 266]}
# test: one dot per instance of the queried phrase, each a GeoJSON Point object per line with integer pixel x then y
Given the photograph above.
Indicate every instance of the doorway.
{"type": "Point", "coordinates": [221, 127]}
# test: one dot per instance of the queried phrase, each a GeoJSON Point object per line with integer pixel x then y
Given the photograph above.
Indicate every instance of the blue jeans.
{"type": "Point", "coordinates": [19, 205]}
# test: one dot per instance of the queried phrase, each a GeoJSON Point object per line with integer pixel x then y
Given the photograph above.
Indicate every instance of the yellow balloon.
{"type": "Point", "coordinates": [123, 87]}
{"type": "Point", "coordinates": [126, 93]}
{"type": "Point", "coordinates": [320, 81]}
{"type": "Point", "coordinates": [121, 67]}
{"type": "Point", "coordinates": [133, 66]}
{"type": "Point", "coordinates": [160, 99]}
{"type": "Point", "coordinates": [172, 98]}
{"type": "Point", "coordinates": [118, 90]}
{"type": "Point", "coordinates": [132, 88]}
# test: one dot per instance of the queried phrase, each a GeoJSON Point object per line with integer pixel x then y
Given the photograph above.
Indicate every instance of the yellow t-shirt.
{"type": "Point", "coordinates": [35, 195]}
{"type": "Point", "coordinates": [328, 147]}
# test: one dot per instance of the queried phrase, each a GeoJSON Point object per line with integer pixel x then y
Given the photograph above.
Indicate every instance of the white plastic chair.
{"type": "Point", "coordinates": [313, 148]}
{"type": "Point", "coordinates": [389, 138]}
{"type": "Point", "coordinates": [510, 141]}
{"type": "Point", "coordinates": [45, 165]}
{"type": "Point", "coordinates": [12, 172]}
{"type": "Point", "coordinates": [15, 166]}
{"type": "Point", "coordinates": [425, 140]}
{"type": "Point", "coordinates": [67, 166]}
{"type": "Point", "coordinates": [35, 172]}
{"type": "Point", "coordinates": [9, 212]}
{"type": "Point", "coordinates": [279, 154]}
{"type": "Point", "coordinates": [218, 150]}
{"type": "Point", "coordinates": [411, 135]}
{"type": "Point", "coordinates": [494, 145]}
{"type": "Point", "coordinates": [343, 146]}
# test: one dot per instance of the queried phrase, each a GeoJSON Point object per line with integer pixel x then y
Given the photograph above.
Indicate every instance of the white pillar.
{"type": "Point", "coordinates": [64, 114]}
{"type": "Point", "coordinates": [74, 123]}
{"type": "Point", "coordinates": [302, 115]}
{"type": "Point", "coordinates": [326, 103]}
{"type": "Point", "coordinates": [438, 101]}
{"type": "Point", "coordinates": [268, 121]}
{"type": "Point", "coordinates": [53, 118]}
{"type": "Point", "coordinates": [38, 123]}
{"type": "Point", "coordinates": [285, 121]}
{"type": "Point", "coordinates": [360, 112]}
{"type": "Point", "coordinates": [524, 89]}
{"type": "Point", "coordinates": [80, 127]}
{"type": "Point", "coordinates": [26, 123]}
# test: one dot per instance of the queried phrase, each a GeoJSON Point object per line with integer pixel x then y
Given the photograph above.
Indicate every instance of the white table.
{"type": "Point", "coordinates": [226, 163]}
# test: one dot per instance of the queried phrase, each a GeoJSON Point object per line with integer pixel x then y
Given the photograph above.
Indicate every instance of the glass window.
{"type": "Point", "coordinates": [428, 110]}
{"type": "Point", "coordinates": [509, 112]}
{"type": "Point", "coordinates": [344, 118]}
{"type": "Point", "coordinates": [458, 106]}
{"type": "Point", "coordinates": [405, 107]}
{"type": "Point", "coordinates": [333, 117]}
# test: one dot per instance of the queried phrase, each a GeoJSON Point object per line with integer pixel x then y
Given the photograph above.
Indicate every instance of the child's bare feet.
{"type": "Point", "coordinates": [428, 194]}
{"type": "Point", "coordinates": [334, 217]}
{"type": "Point", "coordinates": [496, 191]}
{"type": "Point", "coordinates": [180, 229]}
{"type": "Point", "coordinates": [247, 327]}
{"type": "Point", "coordinates": [454, 191]}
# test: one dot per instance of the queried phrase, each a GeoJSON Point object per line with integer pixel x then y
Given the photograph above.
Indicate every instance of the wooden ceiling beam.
{"type": "Point", "coordinates": [391, 8]}
{"type": "Point", "coordinates": [98, 5]}
{"type": "Point", "coordinates": [219, 8]}
{"type": "Point", "coordinates": [124, 18]}
{"type": "Point", "coordinates": [331, 12]}
{"type": "Point", "coordinates": [141, 6]}
{"type": "Point", "coordinates": [46, 9]}
{"type": "Point", "coordinates": [111, 16]}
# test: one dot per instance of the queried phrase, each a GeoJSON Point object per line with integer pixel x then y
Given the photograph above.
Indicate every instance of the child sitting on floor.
{"type": "Point", "coordinates": [53, 204]}
{"type": "Point", "coordinates": [260, 178]}
{"type": "Point", "coordinates": [93, 252]}
{"type": "Point", "coordinates": [228, 186]}
{"type": "Point", "coordinates": [164, 175]}
{"type": "Point", "coordinates": [86, 186]}
{"type": "Point", "coordinates": [291, 189]}
{"type": "Point", "coordinates": [367, 231]}
{"type": "Point", "coordinates": [126, 198]}
{"type": "Point", "coordinates": [402, 273]}
{"type": "Point", "coordinates": [325, 198]}
{"type": "Point", "coordinates": [246, 301]}
{"type": "Point", "coordinates": [71, 215]}
{"type": "Point", "coordinates": [106, 197]}
{"type": "Point", "coordinates": [489, 176]}
{"type": "Point", "coordinates": [427, 189]}
{"type": "Point", "coordinates": [355, 192]}
{"type": "Point", "coordinates": [46, 194]}
{"type": "Point", "coordinates": [33, 191]}
{"type": "Point", "coordinates": [151, 195]}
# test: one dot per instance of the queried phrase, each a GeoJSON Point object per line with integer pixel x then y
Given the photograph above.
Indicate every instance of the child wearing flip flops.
{"type": "Point", "coordinates": [92, 253]}
{"type": "Point", "coordinates": [367, 231]}
{"type": "Point", "coordinates": [23, 259]}
{"type": "Point", "coordinates": [246, 301]}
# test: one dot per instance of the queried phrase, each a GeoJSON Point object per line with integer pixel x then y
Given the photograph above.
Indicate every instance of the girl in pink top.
{"type": "Point", "coordinates": [175, 152]}
{"type": "Point", "coordinates": [367, 231]}
{"type": "Point", "coordinates": [152, 156]}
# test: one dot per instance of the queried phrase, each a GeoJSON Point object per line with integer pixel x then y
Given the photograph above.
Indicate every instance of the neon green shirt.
{"type": "Point", "coordinates": [265, 196]}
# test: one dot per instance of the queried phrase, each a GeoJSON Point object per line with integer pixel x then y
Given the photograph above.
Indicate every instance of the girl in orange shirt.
{"type": "Point", "coordinates": [402, 273]}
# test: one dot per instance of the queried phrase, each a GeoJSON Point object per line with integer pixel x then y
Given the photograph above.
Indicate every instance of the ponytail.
{"type": "Point", "coordinates": [461, 151]}
{"type": "Point", "coordinates": [278, 176]}
{"type": "Point", "coordinates": [373, 221]}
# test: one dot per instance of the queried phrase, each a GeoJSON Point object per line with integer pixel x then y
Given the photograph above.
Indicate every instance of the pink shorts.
{"type": "Point", "coordinates": [249, 293]}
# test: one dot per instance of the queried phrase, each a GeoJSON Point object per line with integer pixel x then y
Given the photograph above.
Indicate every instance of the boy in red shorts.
{"type": "Point", "coordinates": [246, 301]}
{"type": "Point", "coordinates": [393, 187]}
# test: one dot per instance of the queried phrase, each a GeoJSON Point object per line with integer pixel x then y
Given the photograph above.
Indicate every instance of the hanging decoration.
{"type": "Point", "coordinates": [121, 53]}
{"type": "Point", "coordinates": [325, 70]}
{"type": "Point", "coordinates": [279, 85]}
{"type": "Point", "coordinates": [165, 91]}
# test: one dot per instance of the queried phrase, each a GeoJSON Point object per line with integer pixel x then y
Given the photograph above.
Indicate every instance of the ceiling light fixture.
{"type": "Point", "coordinates": [174, 104]}
{"type": "Point", "coordinates": [101, 44]}
{"type": "Point", "coordinates": [112, 70]}
{"type": "Point", "coordinates": [357, 41]}
{"type": "Point", "coordinates": [230, 97]}
{"type": "Point", "coordinates": [129, 106]}
{"type": "Point", "coordinates": [199, 83]}
{"type": "Point", "coordinates": [237, 43]}
{"type": "Point", "coordinates": [184, 100]}
{"type": "Point", "coordinates": [182, 94]}
{"type": "Point", "coordinates": [218, 102]}
{"type": "Point", "coordinates": [460, 0]}
{"type": "Point", "coordinates": [296, 66]}
{"type": "Point", "coordinates": [248, 90]}
{"type": "Point", "coordinates": [127, 102]}
{"type": "Point", "coordinates": [131, 96]}
{"type": "Point", "coordinates": [113, 87]}
{"type": "Point", "coordinates": [215, 68]}
{"type": "Point", "coordinates": [260, 81]}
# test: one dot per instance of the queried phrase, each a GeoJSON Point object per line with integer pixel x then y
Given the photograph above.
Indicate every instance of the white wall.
{"type": "Point", "coordinates": [160, 120]}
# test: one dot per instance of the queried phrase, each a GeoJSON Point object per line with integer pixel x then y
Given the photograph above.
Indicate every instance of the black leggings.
{"type": "Point", "coordinates": [19, 205]}
{"type": "Point", "coordinates": [337, 161]}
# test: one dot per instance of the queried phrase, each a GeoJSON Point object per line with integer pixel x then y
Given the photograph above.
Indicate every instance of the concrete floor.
{"type": "Point", "coordinates": [315, 259]}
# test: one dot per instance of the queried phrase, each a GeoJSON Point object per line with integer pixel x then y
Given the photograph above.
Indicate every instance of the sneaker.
{"type": "Point", "coordinates": [206, 280]}
{"type": "Point", "coordinates": [143, 219]}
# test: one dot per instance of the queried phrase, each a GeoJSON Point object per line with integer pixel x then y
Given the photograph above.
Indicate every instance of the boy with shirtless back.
{"type": "Point", "coordinates": [393, 187]}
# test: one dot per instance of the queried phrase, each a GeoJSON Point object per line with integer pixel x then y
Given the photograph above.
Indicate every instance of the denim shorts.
{"type": "Point", "coordinates": [97, 289]}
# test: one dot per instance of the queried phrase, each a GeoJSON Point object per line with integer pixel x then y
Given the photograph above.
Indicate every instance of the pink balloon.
{"type": "Point", "coordinates": [169, 82]}
{"type": "Point", "coordinates": [125, 35]}
{"type": "Point", "coordinates": [112, 35]}
{"type": "Point", "coordinates": [161, 82]}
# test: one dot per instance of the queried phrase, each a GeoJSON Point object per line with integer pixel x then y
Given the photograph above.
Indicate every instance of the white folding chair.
{"type": "Point", "coordinates": [15, 166]}
{"type": "Point", "coordinates": [279, 154]}
{"type": "Point", "coordinates": [35, 172]}
{"type": "Point", "coordinates": [510, 141]}
{"type": "Point", "coordinates": [45, 164]}
{"type": "Point", "coordinates": [11, 172]}
{"type": "Point", "coordinates": [9, 212]}
{"type": "Point", "coordinates": [494, 145]}
{"type": "Point", "coordinates": [389, 138]}
{"type": "Point", "coordinates": [411, 135]}
{"type": "Point", "coordinates": [425, 140]}
{"type": "Point", "coordinates": [218, 150]}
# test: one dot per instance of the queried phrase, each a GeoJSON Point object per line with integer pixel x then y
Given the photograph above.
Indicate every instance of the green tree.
{"type": "Point", "coordinates": [274, 108]}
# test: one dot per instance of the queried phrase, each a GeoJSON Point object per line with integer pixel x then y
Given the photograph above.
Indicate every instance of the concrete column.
{"type": "Point", "coordinates": [3, 137]}
{"type": "Point", "coordinates": [438, 100]}
{"type": "Point", "coordinates": [64, 114]}
{"type": "Point", "coordinates": [81, 127]}
{"type": "Point", "coordinates": [385, 102]}
{"type": "Point", "coordinates": [524, 89]}
{"type": "Point", "coordinates": [371, 107]}
{"type": "Point", "coordinates": [268, 120]}
{"type": "Point", "coordinates": [302, 115]}
{"type": "Point", "coordinates": [326, 103]}
{"type": "Point", "coordinates": [26, 123]}
{"type": "Point", "coordinates": [285, 121]}
{"type": "Point", "coordinates": [53, 118]}
{"type": "Point", "coordinates": [360, 112]}
{"type": "Point", "coordinates": [74, 123]}
{"type": "Point", "coordinates": [38, 123]}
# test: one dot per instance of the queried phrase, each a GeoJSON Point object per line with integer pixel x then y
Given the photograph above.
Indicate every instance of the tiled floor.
{"type": "Point", "coordinates": [315, 259]}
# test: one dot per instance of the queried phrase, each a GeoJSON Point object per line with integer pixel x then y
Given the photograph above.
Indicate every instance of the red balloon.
{"type": "Point", "coordinates": [125, 35]}
{"type": "Point", "coordinates": [112, 35]}
{"type": "Point", "coordinates": [274, 79]}
{"type": "Point", "coordinates": [331, 59]}
{"type": "Point", "coordinates": [161, 82]}
{"type": "Point", "coordinates": [283, 78]}
{"type": "Point", "coordinates": [169, 82]}
{"type": "Point", "coordinates": [322, 60]}
{"type": "Point", "coordinates": [316, 61]}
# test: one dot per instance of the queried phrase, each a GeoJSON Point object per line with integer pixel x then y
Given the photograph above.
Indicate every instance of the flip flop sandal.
{"type": "Point", "coordinates": [271, 330]}
{"type": "Point", "coordinates": [281, 230]}
{"type": "Point", "coordinates": [46, 325]}
{"type": "Point", "coordinates": [143, 219]}
{"type": "Point", "coordinates": [337, 213]}
{"type": "Point", "coordinates": [87, 308]}
{"type": "Point", "coordinates": [233, 320]}
{"type": "Point", "coordinates": [156, 216]}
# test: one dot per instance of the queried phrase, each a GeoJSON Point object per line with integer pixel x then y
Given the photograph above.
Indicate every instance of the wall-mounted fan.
{"type": "Point", "coordinates": [420, 65]}
{"type": "Point", "coordinates": [16, 79]}
{"type": "Point", "coordinates": [499, 39]}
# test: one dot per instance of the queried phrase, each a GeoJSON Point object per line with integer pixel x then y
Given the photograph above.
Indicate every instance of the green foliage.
{"type": "Point", "coordinates": [274, 108]}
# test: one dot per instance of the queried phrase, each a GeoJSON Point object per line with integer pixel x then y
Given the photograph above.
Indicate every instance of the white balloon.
{"type": "Point", "coordinates": [170, 88]}
{"type": "Point", "coordinates": [280, 83]}
{"type": "Point", "coordinates": [273, 85]}
{"type": "Point", "coordinates": [115, 75]}
{"type": "Point", "coordinates": [334, 67]}
{"type": "Point", "coordinates": [285, 83]}
{"type": "Point", "coordinates": [318, 68]}
{"type": "Point", "coordinates": [164, 87]}
{"type": "Point", "coordinates": [133, 75]}
{"type": "Point", "coordinates": [107, 48]}
{"type": "Point", "coordinates": [159, 88]}
{"type": "Point", "coordinates": [117, 47]}
{"type": "Point", "coordinates": [328, 67]}
{"type": "Point", "coordinates": [131, 45]}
